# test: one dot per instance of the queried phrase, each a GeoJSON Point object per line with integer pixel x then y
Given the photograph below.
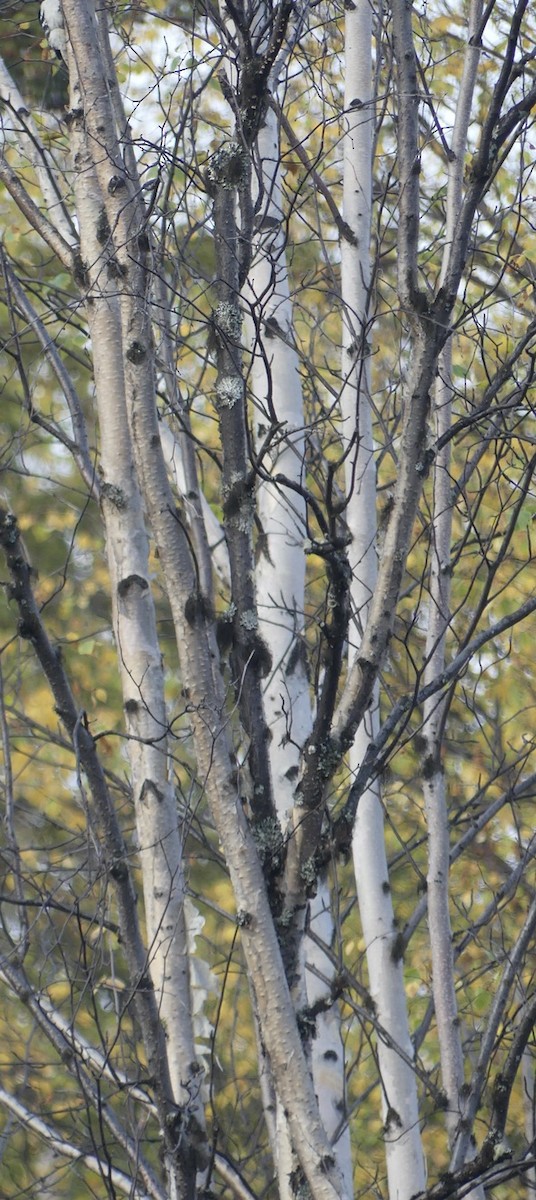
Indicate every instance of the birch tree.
{"type": "Point", "coordinates": [266, 687]}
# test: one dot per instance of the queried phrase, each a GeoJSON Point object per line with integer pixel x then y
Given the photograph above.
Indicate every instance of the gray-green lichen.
{"type": "Point", "coordinates": [285, 918]}
{"type": "Point", "coordinates": [249, 619]}
{"type": "Point", "coordinates": [228, 319]}
{"type": "Point", "coordinates": [269, 841]}
{"type": "Point", "coordinates": [309, 871]}
{"type": "Point", "coordinates": [328, 757]}
{"type": "Point", "coordinates": [115, 495]}
{"type": "Point", "coordinates": [236, 479]}
{"type": "Point", "coordinates": [229, 390]}
{"type": "Point", "coordinates": [228, 167]}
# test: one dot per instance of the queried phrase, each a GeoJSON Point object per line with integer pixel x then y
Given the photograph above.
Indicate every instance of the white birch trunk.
{"type": "Point", "coordinates": [281, 566]}
{"type": "Point", "coordinates": [404, 1155]}
{"type": "Point", "coordinates": [139, 654]}
{"type": "Point", "coordinates": [327, 1049]}
{"type": "Point", "coordinates": [202, 679]}
{"type": "Point", "coordinates": [280, 576]}
{"type": "Point", "coordinates": [278, 405]}
{"type": "Point", "coordinates": [434, 712]}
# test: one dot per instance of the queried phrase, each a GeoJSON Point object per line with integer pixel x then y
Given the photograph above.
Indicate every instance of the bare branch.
{"type": "Point", "coordinates": [59, 1145]}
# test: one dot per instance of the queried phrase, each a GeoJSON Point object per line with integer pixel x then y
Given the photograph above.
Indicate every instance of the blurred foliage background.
{"type": "Point", "coordinates": [167, 56]}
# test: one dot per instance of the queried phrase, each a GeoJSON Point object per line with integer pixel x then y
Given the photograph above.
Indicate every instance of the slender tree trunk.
{"type": "Point", "coordinates": [139, 655]}
{"type": "Point", "coordinates": [435, 711]}
{"type": "Point", "coordinates": [278, 414]}
{"type": "Point", "coordinates": [405, 1162]}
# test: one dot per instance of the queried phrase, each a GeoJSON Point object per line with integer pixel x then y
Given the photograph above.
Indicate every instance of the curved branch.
{"type": "Point", "coordinates": [59, 1145]}
{"type": "Point", "coordinates": [116, 859]}
{"type": "Point", "coordinates": [79, 1059]}
{"type": "Point", "coordinates": [79, 446]}
{"type": "Point", "coordinates": [372, 762]}
{"type": "Point", "coordinates": [488, 1041]}
{"type": "Point", "coordinates": [504, 1081]}
{"type": "Point", "coordinates": [35, 217]}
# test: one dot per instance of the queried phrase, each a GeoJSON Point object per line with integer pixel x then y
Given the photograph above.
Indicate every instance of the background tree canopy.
{"type": "Point", "coordinates": [267, 684]}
